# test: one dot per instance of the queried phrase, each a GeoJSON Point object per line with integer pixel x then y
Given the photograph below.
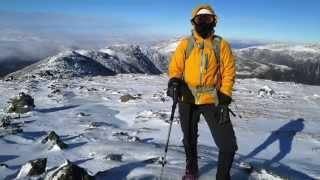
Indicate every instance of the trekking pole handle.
{"type": "Point", "coordinates": [175, 95]}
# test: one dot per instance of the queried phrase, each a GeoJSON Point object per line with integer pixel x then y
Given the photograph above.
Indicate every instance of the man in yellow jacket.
{"type": "Point", "coordinates": [203, 70]}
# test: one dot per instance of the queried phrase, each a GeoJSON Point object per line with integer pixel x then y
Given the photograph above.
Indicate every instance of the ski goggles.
{"type": "Point", "coordinates": [204, 19]}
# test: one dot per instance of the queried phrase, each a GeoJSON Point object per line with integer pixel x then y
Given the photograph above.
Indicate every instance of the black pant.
{"type": "Point", "coordinates": [223, 136]}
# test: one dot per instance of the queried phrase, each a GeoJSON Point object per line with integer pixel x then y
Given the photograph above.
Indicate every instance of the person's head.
{"type": "Point", "coordinates": [204, 20]}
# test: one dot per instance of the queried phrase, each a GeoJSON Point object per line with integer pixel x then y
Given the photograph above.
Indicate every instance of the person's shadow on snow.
{"type": "Point", "coordinates": [285, 135]}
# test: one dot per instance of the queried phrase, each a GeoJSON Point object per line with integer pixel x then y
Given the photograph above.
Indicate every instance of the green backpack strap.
{"type": "Point", "coordinates": [216, 47]}
{"type": "Point", "coordinates": [191, 42]}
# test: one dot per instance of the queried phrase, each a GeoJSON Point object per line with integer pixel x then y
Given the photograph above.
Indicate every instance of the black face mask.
{"type": "Point", "coordinates": [204, 29]}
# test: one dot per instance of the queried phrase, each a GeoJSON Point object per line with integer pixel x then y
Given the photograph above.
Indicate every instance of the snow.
{"type": "Point", "coordinates": [25, 169]}
{"type": "Point", "coordinates": [108, 51]}
{"type": "Point", "coordinates": [269, 134]}
{"type": "Point", "coordinates": [304, 48]}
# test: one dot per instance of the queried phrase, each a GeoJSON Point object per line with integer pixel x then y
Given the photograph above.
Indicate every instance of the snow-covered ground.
{"type": "Point", "coordinates": [88, 115]}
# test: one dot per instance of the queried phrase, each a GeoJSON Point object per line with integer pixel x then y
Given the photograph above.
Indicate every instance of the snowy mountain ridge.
{"type": "Point", "coordinates": [280, 62]}
{"type": "Point", "coordinates": [276, 61]}
{"type": "Point", "coordinates": [107, 61]}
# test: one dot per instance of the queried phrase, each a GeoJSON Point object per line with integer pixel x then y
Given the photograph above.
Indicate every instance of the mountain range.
{"type": "Point", "coordinates": [279, 61]}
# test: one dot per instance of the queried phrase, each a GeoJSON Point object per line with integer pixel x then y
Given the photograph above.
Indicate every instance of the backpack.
{"type": "Point", "coordinates": [216, 48]}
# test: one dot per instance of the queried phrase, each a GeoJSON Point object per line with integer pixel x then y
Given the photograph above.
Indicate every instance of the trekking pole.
{"type": "Point", "coordinates": [235, 105]}
{"type": "Point", "coordinates": [174, 105]}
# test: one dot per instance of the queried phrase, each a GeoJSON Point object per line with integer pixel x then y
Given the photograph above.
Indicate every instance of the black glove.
{"type": "Point", "coordinates": [223, 114]}
{"type": "Point", "coordinates": [223, 109]}
{"type": "Point", "coordinates": [224, 99]}
{"type": "Point", "coordinates": [174, 88]}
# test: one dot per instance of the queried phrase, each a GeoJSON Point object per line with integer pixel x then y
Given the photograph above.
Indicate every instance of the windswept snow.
{"type": "Point", "coordinates": [278, 135]}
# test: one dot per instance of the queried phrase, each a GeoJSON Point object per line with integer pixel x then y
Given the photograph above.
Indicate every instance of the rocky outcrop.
{"type": "Point", "coordinates": [54, 140]}
{"type": "Point", "coordinates": [33, 168]}
{"type": "Point", "coordinates": [20, 104]}
{"type": "Point", "coordinates": [69, 171]}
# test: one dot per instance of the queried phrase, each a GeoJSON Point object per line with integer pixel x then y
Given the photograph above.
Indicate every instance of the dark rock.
{"type": "Point", "coordinates": [69, 171]}
{"type": "Point", "coordinates": [134, 139]}
{"type": "Point", "coordinates": [4, 165]}
{"type": "Point", "coordinates": [128, 97]}
{"type": "Point", "coordinates": [54, 139]}
{"type": "Point", "coordinates": [23, 103]}
{"type": "Point", "coordinates": [247, 167]}
{"type": "Point", "coordinates": [5, 121]}
{"type": "Point", "coordinates": [120, 134]}
{"type": "Point", "coordinates": [82, 114]}
{"type": "Point", "coordinates": [56, 91]}
{"type": "Point", "coordinates": [92, 89]}
{"type": "Point", "coordinates": [265, 91]}
{"type": "Point", "coordinates": [9, 78]}
{"type": "Point", "coordinates": [114, 157]}
{"type": "Point", "coordinates": [33, 168]}
{"type": "Point", "coordinates": [124, 136]}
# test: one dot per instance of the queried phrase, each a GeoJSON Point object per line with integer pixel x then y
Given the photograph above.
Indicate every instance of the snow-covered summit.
{"type": "Point", "coordinates": [63, 65]}
{"type": "Point", "coordinates": [298, 52]}
{"type": "Point", "coordinates": [107, 61]}
{"type": "Point", "coordinates": [312, 48]}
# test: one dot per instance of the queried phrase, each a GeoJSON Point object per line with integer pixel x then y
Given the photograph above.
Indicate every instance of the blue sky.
{"type": "Point", "coordinates": [274, 20]}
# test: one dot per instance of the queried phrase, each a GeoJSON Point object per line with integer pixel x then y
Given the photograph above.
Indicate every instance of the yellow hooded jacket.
{"type": "Point", "coordinates": [195, 74]}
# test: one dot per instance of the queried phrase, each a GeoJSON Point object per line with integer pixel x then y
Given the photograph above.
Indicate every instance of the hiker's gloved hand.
{"type": "Point", "coordinates": [223, 114]}
{"type": "Point", "coordinates": [223, 108]}
{"type": "Point", "coordinates": [174, 88]}
{"type": "Point", "coordinates": [224, 99]}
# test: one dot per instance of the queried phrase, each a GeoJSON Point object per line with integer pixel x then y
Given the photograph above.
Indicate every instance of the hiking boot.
{"type": "Point", "coordinates": [191, 171]}
{"type": "Point", "coordinates": [189, 177]}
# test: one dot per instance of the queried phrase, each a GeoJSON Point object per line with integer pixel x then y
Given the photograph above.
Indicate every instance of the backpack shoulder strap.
{"type": "Point", "coordinates": [216, 47]}
{"type": "Point", "coordinates": [191, 42]}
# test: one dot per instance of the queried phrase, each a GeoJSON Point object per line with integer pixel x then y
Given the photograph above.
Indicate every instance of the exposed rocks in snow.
{"type": "Point", "coordinates": [114, 157]}
{"type": "Point", "coordinates": [54, 140]}
{"type": "Point", "coordinates": [134, 139]}
{"type": "Point", "coordinates": [5, 121]}
{"type": "Point", "coordinates": [127, 59]}
{"type": "Point", "coordinates": [3, 165]}
{"type": "Point", "coordinates": [248, 168]}
{"type": "Point", "coordinates": [66, 64]}
{"type": "Point", "coordinates": [265, 91]}
{"type": "Point", "coordinates": [8, 128]}
{"type": "Point", "coordinates": [9, 78]}
{"type": "Point", "coordinates": [148, 115]}
{"type": "Point", "coordinates": [82, 114]}
{"type": "Point", "coordinates": [100, 124]}
{"type": "Point", "coordinates": [161, 96]}
{"type": "Point", "coordinates": [33, 168]}
{"type": "Point", "coordinates": [69, 171]}
{"type": "Point", "coordinates": [120, 133]}
{"type": "Point", "coordinates": [128, 97]}
{"type": "Point", "coordinates": [56, 91]}
{"type": "Point", "coordinates": [22, 103]}
{"type": "Point", "coordinates": [124, 136]}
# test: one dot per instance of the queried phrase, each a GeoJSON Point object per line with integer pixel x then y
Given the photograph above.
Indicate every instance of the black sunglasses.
{"type": "Point", "coordinates": [203, 18]}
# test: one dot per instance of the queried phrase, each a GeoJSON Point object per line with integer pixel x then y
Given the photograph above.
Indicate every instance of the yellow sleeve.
{"type": "Point", "coordinates": [176, 65]}
{"type": "Point", "coordinates": [228, 71]}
